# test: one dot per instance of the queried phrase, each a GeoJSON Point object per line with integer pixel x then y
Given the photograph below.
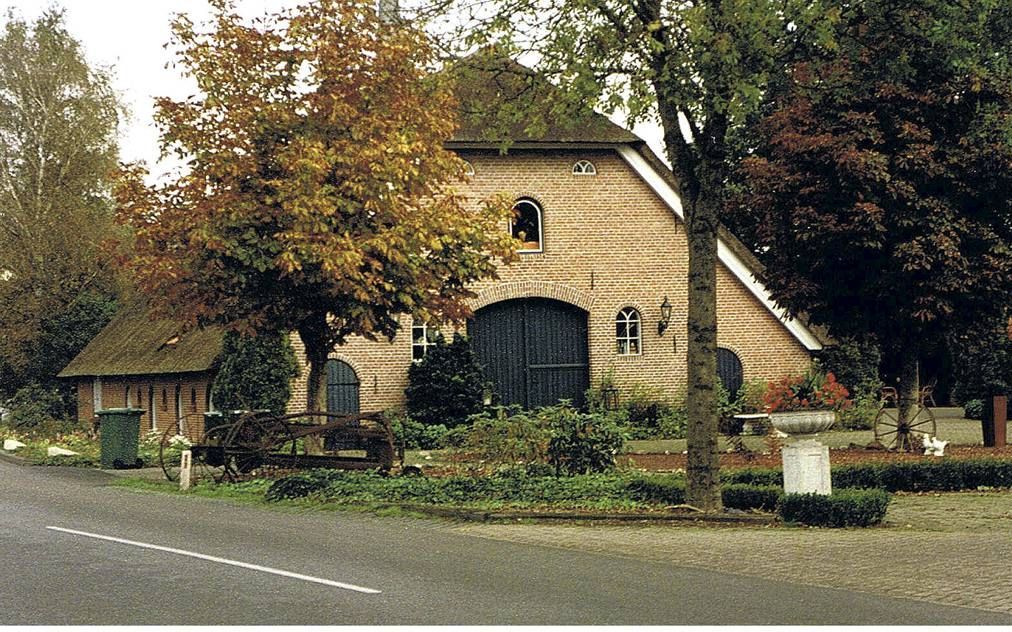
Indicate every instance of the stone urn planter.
{"type": "Point", "coordinates": [806, 461]}
{"type": "Point", "coordinates": [803, 422]}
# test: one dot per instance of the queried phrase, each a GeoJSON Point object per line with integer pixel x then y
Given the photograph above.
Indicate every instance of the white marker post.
{"type": "Point", "coordinates": [185, 469]}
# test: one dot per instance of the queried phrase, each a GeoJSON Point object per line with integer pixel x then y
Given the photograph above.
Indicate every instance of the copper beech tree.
{"type": "Point", "coordinates": [316, 195]}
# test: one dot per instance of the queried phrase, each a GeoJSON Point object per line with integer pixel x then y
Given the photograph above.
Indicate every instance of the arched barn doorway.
{"type": "Point", "coordinates": [534, 350]}
{"type": "Point", "coordinates": [342, 388]}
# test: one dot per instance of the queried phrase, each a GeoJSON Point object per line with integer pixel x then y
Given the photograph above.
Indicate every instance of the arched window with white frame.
{"type": "Point", "coordinates": [584, 168]}
{"type": "Point", "coordinates": [527, 225]}
{"type": "Point", "coordinates": [628, 335]}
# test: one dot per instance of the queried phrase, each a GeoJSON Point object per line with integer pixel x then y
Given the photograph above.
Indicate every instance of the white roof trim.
{"type": "Point", "coordinates": [726, 256]}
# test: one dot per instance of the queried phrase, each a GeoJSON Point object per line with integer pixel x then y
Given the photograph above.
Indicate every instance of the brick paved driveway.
{"type": "Point", "coordinates": [953, 549]}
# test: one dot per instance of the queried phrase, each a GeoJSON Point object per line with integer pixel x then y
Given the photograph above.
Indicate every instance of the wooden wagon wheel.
{"type": "Point", "coordinates": [251, 442]}
{"type": "Point", "coordinates": [895, 434]}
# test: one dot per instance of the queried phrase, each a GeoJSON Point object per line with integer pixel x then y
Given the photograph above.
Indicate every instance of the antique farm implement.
{"type": "Point", "coordinates": [259, 444]}
{"type": "Point", "coordinates": [903, 432]}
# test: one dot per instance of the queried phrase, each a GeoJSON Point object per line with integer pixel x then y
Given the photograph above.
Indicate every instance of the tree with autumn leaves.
{"type": "Point", "coordinates": [879, 191]}
{"type": "Point", "coordinates": [316, 195]}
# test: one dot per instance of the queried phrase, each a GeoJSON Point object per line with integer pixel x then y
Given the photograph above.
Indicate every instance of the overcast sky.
{"type": "Point", "coordinates": [129, 36]}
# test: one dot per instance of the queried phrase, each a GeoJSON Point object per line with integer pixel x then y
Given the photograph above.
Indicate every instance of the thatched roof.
{"type": "Point", "coordinates": [134, 343]}
{"type": "Point", "coordinates": [501, 99]}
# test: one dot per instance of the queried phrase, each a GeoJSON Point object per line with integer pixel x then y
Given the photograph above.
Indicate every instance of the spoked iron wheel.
{"type": "Point", "coordinates": [209, 457]}
{"type": "Point", "coordinates": [905, 436]}
{"type": "Point", "coordinates": [168, 453]}
{"type": "Point", "coordinates": [255, 445]}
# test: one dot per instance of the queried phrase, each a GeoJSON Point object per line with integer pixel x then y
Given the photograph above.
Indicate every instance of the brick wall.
{"type": "Point", "coordinates": [192, 388]}
{"type": "Point", "coordinates": [609, 243]}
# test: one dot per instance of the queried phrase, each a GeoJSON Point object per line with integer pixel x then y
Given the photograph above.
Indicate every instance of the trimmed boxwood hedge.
{"type": "Point", "coordinates": [907, 476]}
{"type": "Point", "coordinates": [842, 508]}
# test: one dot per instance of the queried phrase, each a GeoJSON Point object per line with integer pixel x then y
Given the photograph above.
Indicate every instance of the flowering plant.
{"type": "Point", "coordinates": [812, 391]}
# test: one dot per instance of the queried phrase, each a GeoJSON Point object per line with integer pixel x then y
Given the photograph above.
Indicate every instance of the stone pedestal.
{"type": "Point", "coordinates": [806, 468]}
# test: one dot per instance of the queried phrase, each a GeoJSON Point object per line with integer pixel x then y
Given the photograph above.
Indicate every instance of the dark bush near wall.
{"type": "Point", "coordinates": [447, 385]}
{"type": "Point", "coordinates": [843, 508]}
{"type": "Point", "coordinates": [256, 373]}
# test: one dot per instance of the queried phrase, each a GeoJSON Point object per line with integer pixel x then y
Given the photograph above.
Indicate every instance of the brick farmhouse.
{"type": "Point", "coordinates": [604, 248]}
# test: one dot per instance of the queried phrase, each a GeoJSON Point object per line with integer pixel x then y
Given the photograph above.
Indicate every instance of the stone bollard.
{"type": "Point", "coordinates": [185, 469]}
{"type": "Point", "coordinates": [806, 468]}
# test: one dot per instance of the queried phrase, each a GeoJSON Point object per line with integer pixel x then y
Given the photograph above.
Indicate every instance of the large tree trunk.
{"type": "Point", "coordinates": [314, 335]}
{"type": "Point", "coordinates": [703, 488]}
{"type": "Point", "coordinates": [908, 390]}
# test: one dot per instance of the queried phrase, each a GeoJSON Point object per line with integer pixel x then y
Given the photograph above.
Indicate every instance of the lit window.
{"type": "Point", "coordinates": [584, 168]}
{"type": "Point", "coordinates": [627, 331]}
{"type": "Point", "coordinates": [422, 337]}
{"type": "Point", "coordinates": [527, 225]}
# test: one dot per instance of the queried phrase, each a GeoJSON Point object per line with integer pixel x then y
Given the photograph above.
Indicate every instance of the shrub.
{"type": "Point", "coordinates": [746, 497]}
{"type": "Point", "coordinates": [974, 409]}
{"type": "Point", "coordinates": [762, 477]}
{"type": "Point", "coordinates": [911, 476]}
{"type": "Point", "coordinates": [581, 443]}
{"type": "Point", "coordinates": [860, 416]}
{"type": "Point", "coordinates": [256, 373]}
{"type": "Point", "coordinates": [302, 484]}
{"type": "Point", "coordinates": [663, 489]}
{"type": "Point", "coordinates": [843, 508]}
{"type": "Point", "coordinates": [507, 436]}
{"type": "Point", "coordinates": [414, 435]}
{"type": "Point", "coordinates": [447, 385]}
{"type": "Point", "coordinates": [39, 408]}
{"type": "Point", "coordinates": [981, 360]}
{"type": "Point", "coordinates": [855, 362]}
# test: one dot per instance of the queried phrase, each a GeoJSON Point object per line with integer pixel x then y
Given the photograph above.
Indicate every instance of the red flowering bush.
{"type": "Point", "coordinates": [812, 391]}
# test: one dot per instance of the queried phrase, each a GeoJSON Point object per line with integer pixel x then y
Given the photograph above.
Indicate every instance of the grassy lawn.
{"type": "Point", "coordinates": [953, 511]}
{"type": "Point", "coordinates": [951, 427]}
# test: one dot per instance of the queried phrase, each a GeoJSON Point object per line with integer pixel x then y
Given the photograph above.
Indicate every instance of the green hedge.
{"type": "Point", "coordinates": [843, 508]}
{"type": "Point", "coordinates": [909, 476]}
{"type": "Point", "coordinates": [746, 497]}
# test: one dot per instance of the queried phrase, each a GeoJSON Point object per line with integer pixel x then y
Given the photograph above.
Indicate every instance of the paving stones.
{"type": "Point", "coordinates": [954, 562]}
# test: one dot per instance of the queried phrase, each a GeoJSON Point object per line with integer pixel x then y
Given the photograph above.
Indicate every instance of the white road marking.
{"type": "Point", "coordinates": [221, 560]}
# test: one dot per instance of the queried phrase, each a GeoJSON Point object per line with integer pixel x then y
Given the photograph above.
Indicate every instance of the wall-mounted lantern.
{"type": "Point", "coordinates": [665, 320]}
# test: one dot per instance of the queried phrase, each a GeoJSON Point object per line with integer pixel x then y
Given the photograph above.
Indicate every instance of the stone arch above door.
{"type": "Point", "coordinates": [532, 289]}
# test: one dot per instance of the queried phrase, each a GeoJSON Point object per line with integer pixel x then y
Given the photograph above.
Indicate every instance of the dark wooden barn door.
{"type": "Point", "coordinates": [729, 370]}
{"type": "Point", "coordinates": [342, 388]}
{"type": "Point", "coordinates": [534, 350]}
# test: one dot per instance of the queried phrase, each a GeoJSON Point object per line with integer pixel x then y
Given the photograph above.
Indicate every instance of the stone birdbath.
{"type": "Point", "coordinates": [806, 460]}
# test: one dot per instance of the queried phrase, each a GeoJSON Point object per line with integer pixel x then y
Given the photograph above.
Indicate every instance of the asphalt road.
{"type": "Point", "coordinates": [423, 572]}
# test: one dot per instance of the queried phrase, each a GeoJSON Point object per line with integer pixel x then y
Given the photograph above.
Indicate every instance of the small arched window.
{"type": "Point", "coordinates": [729, 371]}
{"type": "Point", "coordinates": [584, 168]}
{"type": "Point", "coordinates": [468, 169]}
{"type": "Point", "coordinates": [526, 225]}
{"type": "Point", "coordinates": [627, 332]}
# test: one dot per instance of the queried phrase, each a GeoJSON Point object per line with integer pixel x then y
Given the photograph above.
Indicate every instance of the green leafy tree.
{"type": "Point", "coordinates": [58, 120]}
{"type": "Point", "coordinates": [878, 192]}
{"type": "Point", "coordinates": [256, 373]}
{"type": "Point", "coordinates": [447, 385]}
{"type": "Point", "coordinates": [318, 197]}
{"type": "Point", "coordinates": [698, 68]}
